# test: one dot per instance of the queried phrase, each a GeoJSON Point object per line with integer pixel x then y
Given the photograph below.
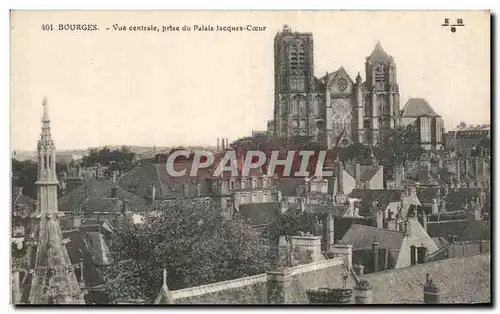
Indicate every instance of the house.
{"type": "Point", "coordinates": [100, 199]}
{"type": "Point", "coordinates": [381, 249]}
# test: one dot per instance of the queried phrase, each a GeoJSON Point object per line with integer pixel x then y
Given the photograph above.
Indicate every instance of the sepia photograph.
{"type": "Point", "coordinates": [250, 157]}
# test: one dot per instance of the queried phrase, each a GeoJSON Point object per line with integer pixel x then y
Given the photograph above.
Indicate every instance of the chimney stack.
{"type": "Point", "coordinates": [357, 174]}
{"type": "Point", "coordinates": [114, 192]}
{"type": "Point", "coordinates": [359, 269]}
{"type": "Point", "coordinates": [421, 254]}
{"type": "Point", "coordinates": [363, 293]}
{"type": "Point", "coordinates": [198, 189]}
{"type": "Point", "coordinates": [329, 232]}
{"type": "Point", "coordinates": [422, 219]}
{"type": "Point", "coordinates": [413, 255]}
{"type": "Point", "coordinates": [283, 206]}
{"type": "Point", "coordinates": [77, 220]}
{"type": "Point", "coordinates": [153, 193]}
{"type": "Point", "coordinates": [375, 254]}
{"type": "Point", "coordinates": [218, 146]}
{"type": "Point", "coordinates": [431, 292]}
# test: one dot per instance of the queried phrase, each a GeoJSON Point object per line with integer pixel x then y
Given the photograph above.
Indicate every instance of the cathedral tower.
{"type": "Point", "coordinates": [381, 95]}
{"type": "Point", "coordinates": [53, 279]}
{"type": "Point", "coordinates": [294, 83]}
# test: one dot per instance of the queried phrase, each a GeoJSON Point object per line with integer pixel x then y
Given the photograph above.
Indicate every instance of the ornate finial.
{"type": "Point", "coordinates": [358, 79]}
{"type": "Point", "coordinates": [164, 276]}
{"type": "Point", "coordinates": [45, 110]}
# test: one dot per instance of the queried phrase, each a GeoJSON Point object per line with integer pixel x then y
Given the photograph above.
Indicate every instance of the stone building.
{"type": "Point", "coordinates": [333, 109]}
{"type": "Point", "coordinates": [429, 125]}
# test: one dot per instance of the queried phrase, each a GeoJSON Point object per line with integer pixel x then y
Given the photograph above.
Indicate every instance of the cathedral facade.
{"type": "Point", "coordinates": [334, 110]}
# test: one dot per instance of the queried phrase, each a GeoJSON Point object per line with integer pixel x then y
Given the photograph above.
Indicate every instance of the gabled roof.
{"type": "Point", "coordinates": [141, 179]}
{"type": "Point", "coordinates": [460, 280]}
{"type": "Point", "coordinates": [383, 197]}
{"type": "Point", "coordinates": [416, 107]}
{"type": "Point", "coordinates": [361, 238]}
{"type": "Point", "coordinates": [466, 230]}
{"type": "Point", "coordinates": [379, 54]}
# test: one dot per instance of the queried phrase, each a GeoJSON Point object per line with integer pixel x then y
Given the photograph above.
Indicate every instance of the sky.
{"type": "Point", "coordinates": [108, 87]}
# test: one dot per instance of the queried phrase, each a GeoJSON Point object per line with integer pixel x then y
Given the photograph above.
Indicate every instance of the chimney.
{"type": "Point", "coordinates": [422, 219]}
{"type": "Point", "coordinates": [357, 176]}
{"type": "Point", "coordinates": [307, 248]}
{"type": "Point", "coordinates": [198, 189]}
{"type": "Point", "coordinates": [341, 178]}
{"type": "Point", "coordinates": [345, 251]}
{"type": "Point", "coordinates": [399, 176]}
{"type": "Point", "coordinates": [413, 255]}
{"type": "Point", "coordinates": [375, 254]}
{"type": "Point", "coordinates": [218, 146]}
{"type": "Point", "coordinates": [223, 146]}
{"type": "Point", "coordinates": [318, 229]}
{"type": "Point", "coordinates": [114, 177]}
{"type": "Point", "coordinates": [283, 206]}
{"type": "Point", "coordinates": [435, 206]}
{"type": "Point", "coordinates": [421, 254]}
{"type": "Point", "coordinates": [77, 221]}
{"type": "Point", "coordinates": [114, 192]}
{"type": "Point", "coordinates": [278, 286]}
{"type": "Point", "coordinates": [359, 269]}
{"type": "Point", "coordinates": [126, 208]}
{"type": "Point", "coordinates": [329, 229]}
{"type": "Point", "coordinates": [227, 142]}
{"type": "Point", "coordinates": [431, 292]}
{"type": "Point", "coordinates": [363, 293]}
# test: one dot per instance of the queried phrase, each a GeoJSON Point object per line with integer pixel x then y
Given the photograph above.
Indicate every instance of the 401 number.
{"type": "Point", "coordinates": [47, 27]}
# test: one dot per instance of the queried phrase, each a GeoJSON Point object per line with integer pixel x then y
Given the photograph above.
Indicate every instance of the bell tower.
{"type": "Point", "coordinates": [53, 278]}
{"type": "Point", "coordinates": [382, 94]}
{"type": "Point", "coordinates": [293, 82]}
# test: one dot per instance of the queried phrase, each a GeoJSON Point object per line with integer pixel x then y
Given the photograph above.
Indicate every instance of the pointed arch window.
{"type": "Point", "coordinates": [379, 73]}
{"type": "Point", "coordinates": [293, 56]}
{"type": "Point", "coordinates": [317, 105]}
{"type": "Point", "coordinates": [50, 160]}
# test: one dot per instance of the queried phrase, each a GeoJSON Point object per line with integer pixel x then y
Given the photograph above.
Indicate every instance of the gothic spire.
{"type": "Point", "coordinates": [54, 280]}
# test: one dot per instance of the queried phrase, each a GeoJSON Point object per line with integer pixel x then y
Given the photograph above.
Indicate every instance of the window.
{"type": "Point", "coordinates": [254, 183]}
{"type": "Point", "coordinates": [231, 185]}
{"type": "Point", "coordinates": [317, 105]}
{"type": "Point", "coordinates": [243, 199]}
{"type": "Point", "coordinates": [293, 58]}
{"type": "Point", "coordinates": [243, 183]}
{"type": "Point", "coordinates": [379, 73]}
{"type": "Point", "coordinates": [302, 55]}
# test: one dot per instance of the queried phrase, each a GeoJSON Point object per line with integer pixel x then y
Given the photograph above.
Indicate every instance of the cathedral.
{"type": "Point", "coordinates": [333, 110]}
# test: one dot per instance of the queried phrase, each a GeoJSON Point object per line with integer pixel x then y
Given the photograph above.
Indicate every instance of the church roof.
{"type": "Point", "coordinates": [416, 107]}
{"type": "Point", "coordinates": [379, 54]}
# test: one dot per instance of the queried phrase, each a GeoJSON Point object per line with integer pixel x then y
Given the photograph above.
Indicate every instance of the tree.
{"type": "Point", "coordinates": [25, 174]}
{"type": "Point", "coordinates": [399, 145]}
{"type": "Point", "coordinates": [289, 224]}
{"type": "Point", "coordinates": [189, 238]}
